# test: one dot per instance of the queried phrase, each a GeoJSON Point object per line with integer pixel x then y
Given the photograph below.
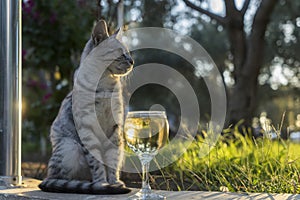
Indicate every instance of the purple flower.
{"type": "Point", "coordinates": [32, 83]}
{"type": "Point", "coordinates": [43, 86]}
{"type": "Point", "coordinates": [27, 6]}
{"type": "Point", "coordinates": [36, 15]}
{"type": "Point", "coordinates": [53, 18]}
{"type": "Point", "coordinates": [24, 52]}
{"type": "Point", "coordinates": [81, 3]}
{"type": "Point", "coordinates": [30, 3]}
{"type": "Point", "coordinates": [46, 97]}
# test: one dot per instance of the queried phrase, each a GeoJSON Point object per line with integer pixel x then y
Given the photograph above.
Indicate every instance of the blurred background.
{"type": "Point", "coordinates": [254, 43]}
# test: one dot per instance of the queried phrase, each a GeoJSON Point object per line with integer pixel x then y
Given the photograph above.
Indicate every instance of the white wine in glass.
{"type": "Point", "coordinates": [145, 133]}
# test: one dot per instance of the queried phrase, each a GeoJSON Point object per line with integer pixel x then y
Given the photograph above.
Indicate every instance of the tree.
{"type": "Point", "coordinates": [247, 53]}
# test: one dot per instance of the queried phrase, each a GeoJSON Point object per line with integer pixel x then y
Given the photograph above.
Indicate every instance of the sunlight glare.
{"type": "Point", "coordinates": [239, 4]}
{"type": "Point", "coordinates": [217, 6]}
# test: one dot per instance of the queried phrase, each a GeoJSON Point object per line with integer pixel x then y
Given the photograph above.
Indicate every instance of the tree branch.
{"type": "Point", "coordinates": [99, 9]}
{"type": "Point", "coordinates": [230, 7]}
{"type": "Point", "coordinates": [262, 18]}
{"type": "Point", "coordinates": [245, 7]}
{"type": "Point", "coordinates": [218, 18]}
{"type": "Point", "coordinates": [257, 37]}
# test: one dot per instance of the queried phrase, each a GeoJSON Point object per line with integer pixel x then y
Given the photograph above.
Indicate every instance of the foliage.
{"type": "Point", "coordinates": [53, 37]}
{"type": "Point", "coordinates": [283, 32]}
{"type": "Point", "coordinates": [242, 164]}
{"type": "Point", "coordinates": [52, 30]}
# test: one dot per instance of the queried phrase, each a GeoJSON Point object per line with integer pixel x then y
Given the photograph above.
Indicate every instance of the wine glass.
{"type": "Point", "coordinates": [145, 133]}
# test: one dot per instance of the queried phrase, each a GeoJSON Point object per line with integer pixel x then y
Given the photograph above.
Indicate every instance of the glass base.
{"type": "Point", "coordinates": [148, 195]}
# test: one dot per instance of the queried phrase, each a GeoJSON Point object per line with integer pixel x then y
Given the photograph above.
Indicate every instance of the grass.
{"type": "Point", "coordinates": [237, 165]}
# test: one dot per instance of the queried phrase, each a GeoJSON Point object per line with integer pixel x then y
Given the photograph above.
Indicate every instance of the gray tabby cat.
{"type": "Point", "coordinates": [72, 168]}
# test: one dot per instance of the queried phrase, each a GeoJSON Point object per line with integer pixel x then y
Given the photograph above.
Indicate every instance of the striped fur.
{"type": "Point", "coordinates": [73, 186]}
{"type": "Point", "coordinates": [72, 167]}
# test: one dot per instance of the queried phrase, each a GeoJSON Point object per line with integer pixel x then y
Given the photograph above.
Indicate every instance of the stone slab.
{"type": "Point", "coordinates": [30, 191]}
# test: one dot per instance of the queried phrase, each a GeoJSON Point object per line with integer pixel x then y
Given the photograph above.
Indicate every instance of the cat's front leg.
{"type": "Point", "coordinates": [113, 158]}
{"type": "Point", "coordinates": [97, 169]}
{"type": "Point", "coordinates": [113, 177]}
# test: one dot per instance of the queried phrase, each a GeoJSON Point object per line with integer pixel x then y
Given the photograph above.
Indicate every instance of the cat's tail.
{"type": "Point", "coordinates": [82, 187]}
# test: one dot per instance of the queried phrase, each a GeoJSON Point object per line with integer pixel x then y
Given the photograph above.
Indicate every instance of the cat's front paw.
{"type": "Point", "coordinates": [106, 188]}
{"type": "Point", "coordinates": [100, 185]}
{"type": "Point", "coordinates": [119, 187]}
{"type": "Point", "coordinates": [117, 183]}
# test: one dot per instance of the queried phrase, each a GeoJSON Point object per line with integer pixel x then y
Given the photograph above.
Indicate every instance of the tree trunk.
{"type": "Point", "coordinates": [242, 98]}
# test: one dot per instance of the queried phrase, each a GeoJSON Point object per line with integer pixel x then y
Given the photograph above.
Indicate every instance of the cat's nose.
{"type": "Point", "coordinates": [131, 61]}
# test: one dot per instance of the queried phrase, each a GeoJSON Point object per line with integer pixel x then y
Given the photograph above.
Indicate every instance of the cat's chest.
{"type": "Point", "coordinates": [109, 108]}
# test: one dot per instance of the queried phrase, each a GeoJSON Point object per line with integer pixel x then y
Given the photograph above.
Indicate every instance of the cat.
{"type": "Point", "coordinates": [72, 168]}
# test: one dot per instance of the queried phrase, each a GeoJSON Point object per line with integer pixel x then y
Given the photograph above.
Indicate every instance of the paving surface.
{"type": "Point", "coordinates": [30, 191]}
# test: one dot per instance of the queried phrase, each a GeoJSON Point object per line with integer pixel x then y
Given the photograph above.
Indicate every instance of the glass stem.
{"type": "Point", "coordinates": [146, 186]}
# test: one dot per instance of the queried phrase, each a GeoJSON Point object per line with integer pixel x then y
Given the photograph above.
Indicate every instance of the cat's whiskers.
{"type": "Point", "coordinates": [126, 77]}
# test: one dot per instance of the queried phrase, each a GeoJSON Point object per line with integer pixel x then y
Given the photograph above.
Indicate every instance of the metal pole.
{"type": "Point", "coordinates": [10, 92]}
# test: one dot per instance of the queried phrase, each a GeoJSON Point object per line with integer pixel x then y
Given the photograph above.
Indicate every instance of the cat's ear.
{"type": "Point", "coordinates": [119, 33]}
{"type": "Point", "coordinates": [100, 32]}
